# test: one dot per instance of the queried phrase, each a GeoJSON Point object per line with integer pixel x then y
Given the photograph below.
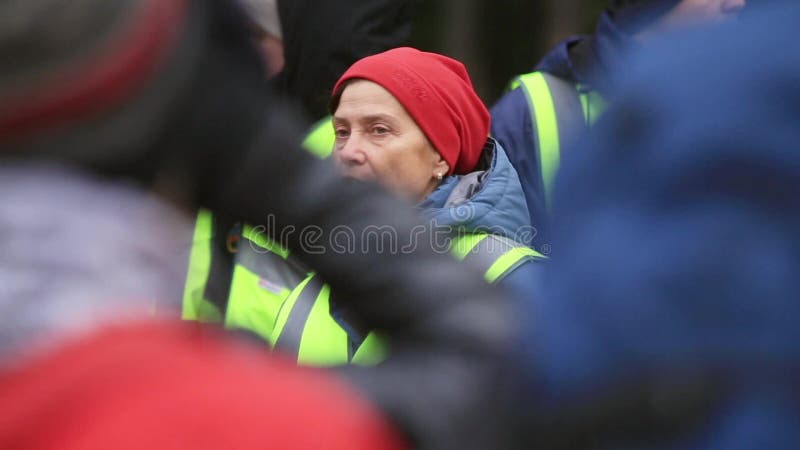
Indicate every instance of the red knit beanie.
{"type": "Point", "coordinates": [437, 93]}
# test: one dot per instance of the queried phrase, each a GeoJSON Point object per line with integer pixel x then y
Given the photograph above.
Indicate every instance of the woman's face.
{"type": "Point", "coordinates": [377, 140]}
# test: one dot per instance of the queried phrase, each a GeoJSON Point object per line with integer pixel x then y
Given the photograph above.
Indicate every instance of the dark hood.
{"type": "Point", "coordinates": [322, 38]}
{"type": "Point", "coordinates": [590, 59]}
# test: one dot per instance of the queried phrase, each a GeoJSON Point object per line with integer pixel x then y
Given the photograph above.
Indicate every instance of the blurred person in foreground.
{"type": "Point", "coordinates": [669, 319]}
{"type": "Point", "coordinates": [114, 114]}
{"type": "Point", "coordinates": [266, 28]}
{"type": "Point", "coordinates": [548, 109]}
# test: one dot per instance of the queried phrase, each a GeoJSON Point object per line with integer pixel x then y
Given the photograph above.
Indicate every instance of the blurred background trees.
{"type": "Point", "coordinates": [498, 39]}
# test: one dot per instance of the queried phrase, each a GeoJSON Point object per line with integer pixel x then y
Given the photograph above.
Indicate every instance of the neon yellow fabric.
{"type": "Point", "coordinates": [252, 307]}
{"type": "Point", "coordinates": [286, 309]}
{"type": "Point", "coordinates": [255, 308]}
{"type": "Point", "coordinates": [593, 104]}
{"type": "Point", "coordinates": [463, 244]}
{"type": "Point", "coordinates": [545, 121]}
{"type": "Point", "coordinates": [324, 342]}
{"type": "Point", "coordinates": [371, 352]}
{"type": "Point", "coordinates": [260, 239]}
{"type": "Point", "coordinates": [321, 139]}
{"type": "Point", "coordinates": [195, 306]}
{"type": "Point", "coordinates": [259, 310]}
{"type": "Point", "coordinates": [546, 125]}
{"type": "Point", "coordinates": [509, 260]}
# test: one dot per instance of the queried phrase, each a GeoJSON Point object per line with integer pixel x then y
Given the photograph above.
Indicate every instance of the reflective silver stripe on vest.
{"type": "Point", "coordinates": [268, 265]}
{"type": "Point", "coordinates": [557, 118]}
{"type": "Point", "coordinates": [289, 340]}
{"type": "Point", "coordinates": [569, 111]}
{"type": "Point", "coordinates": [534, 124]}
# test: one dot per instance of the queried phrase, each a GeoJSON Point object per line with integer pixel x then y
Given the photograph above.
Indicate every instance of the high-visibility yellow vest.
{"type": "Point", "coordinates": [272, 295]}
{"type": "Point", "coordinates": [306, 329]}
{"type": "Point", "coordinates": [320, 138]}
{"type": "Point", "coordinates": [247, 284]}
{"type": "Point", "coordinates": [264, 281]}
{"type": "Point", "coordinates": [559, 109]}
{"type": "Point", "coordinates": [258, 283]}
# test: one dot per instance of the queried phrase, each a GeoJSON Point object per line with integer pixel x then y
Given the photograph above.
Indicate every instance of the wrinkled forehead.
{"type": "Point", "coordinates": [360, 99]}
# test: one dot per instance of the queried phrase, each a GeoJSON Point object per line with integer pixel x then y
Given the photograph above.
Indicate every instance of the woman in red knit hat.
{"type": "Point", "coordinates": [411, 121]}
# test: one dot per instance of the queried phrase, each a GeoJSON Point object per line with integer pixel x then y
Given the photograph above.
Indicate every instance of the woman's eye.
{"type": "Point", "coordinates": [341, 133]}
{"type": "Point", "coordinates": [380, 130]}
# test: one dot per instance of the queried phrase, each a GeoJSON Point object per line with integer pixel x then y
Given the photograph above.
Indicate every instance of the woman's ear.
{"type": "Point", "coordinates": [441, 168]}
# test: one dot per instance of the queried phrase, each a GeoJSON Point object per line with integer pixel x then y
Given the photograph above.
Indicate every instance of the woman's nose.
{"type": "Point", "coordinates": [351, 151]}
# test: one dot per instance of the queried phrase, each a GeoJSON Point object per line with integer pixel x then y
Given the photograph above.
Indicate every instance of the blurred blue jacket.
{"type": "Point", "coordinates": [670, 315]}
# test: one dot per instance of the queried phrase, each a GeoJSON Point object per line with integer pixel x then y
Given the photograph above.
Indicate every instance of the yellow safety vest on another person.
{"type": "Point", "coordinates": [274, 297]}
{"type": "Point", "coordinates": [558, 110]}
{"type": "Point", "coordinates": [266, 291]}
{"type": "Point", "coordinates": [321, 138]}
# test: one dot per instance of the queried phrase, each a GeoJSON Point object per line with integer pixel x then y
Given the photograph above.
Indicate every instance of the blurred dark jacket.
{"type": "Point", "coordinates": [323, 38]}
{"type": "Point", "coordinates": [169, 95]}
{"type": "Point", "coordinates": [669, 316]}
{"type": "Point", "coordinates": [590, 59]}
{"type": "Point", "coordinates": [586, 60]}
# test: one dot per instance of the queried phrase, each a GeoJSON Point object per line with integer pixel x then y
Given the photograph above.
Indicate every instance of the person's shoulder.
{"type": "Point", "coordinates": [511, 119]}
{"type": "Point", "coordinates": [511, 99]}
{"type": "Point", "coordinates": [525, 279]}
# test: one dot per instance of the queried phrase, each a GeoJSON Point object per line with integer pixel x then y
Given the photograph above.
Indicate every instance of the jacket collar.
{"type": "Point", "coordinates": [489, 199]}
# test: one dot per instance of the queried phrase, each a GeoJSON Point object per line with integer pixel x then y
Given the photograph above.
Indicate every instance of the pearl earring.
{"type": "Point", "coordinates": [439, 176]}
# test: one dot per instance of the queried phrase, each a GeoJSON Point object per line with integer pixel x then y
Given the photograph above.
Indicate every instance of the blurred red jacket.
{"type": "Point", "coordinates": [175, 386]}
